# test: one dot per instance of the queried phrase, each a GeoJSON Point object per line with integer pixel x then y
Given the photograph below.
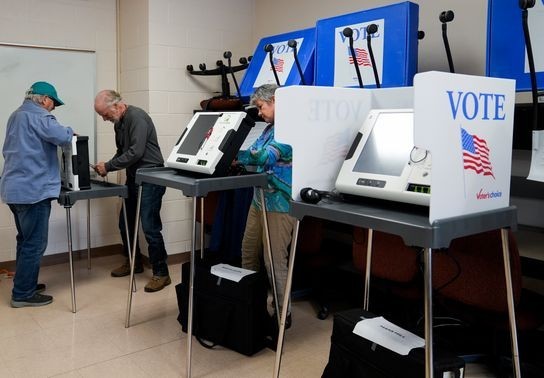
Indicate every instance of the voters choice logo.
{"type": "Point", "coordinates": [481, 195]}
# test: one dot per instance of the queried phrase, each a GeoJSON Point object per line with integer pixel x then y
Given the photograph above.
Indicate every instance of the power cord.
{"type": "Point", "coordinates": [447, 253]}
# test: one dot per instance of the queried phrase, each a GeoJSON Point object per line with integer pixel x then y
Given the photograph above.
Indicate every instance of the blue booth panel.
{"type": "Point", "coordinates": [260, 72]}
{"type": "Point", "coordinates": [394, 46]}
{"type": "Point", "coordinates": [506, 56]}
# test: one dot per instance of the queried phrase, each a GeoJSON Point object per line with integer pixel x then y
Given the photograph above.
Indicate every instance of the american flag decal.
{"type": "Point", "coordinates": [278, 64]}
{"type": "Point", "coordinates": [362, 57]}
{"type": "Point", "coordinates": [476, 154]}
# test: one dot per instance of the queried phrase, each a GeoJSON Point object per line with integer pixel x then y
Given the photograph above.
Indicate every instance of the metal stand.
{"type": "Point", "coordinates": [268, 248]}
{"type": "Point", "coordinates": [191, 291]}
{"type": "Point", "coordinates": [510, 295]}
{"type": "Point", "coordinates": [415, 230]}
{"type": "Point", "coordinates": [201, 227]}
{"type": "Point", "coordinates": [70, 257]}
{"type": "Point", "coordinates": [89, 234]}
{"type": "Point", "coordinates": [286, 296]}
{"type": "Point", "coordinates": [366, 298]}
{"type": "Point", "coordinates": [68, 199]}
{"type": "Point", "coordinates": [132, 256]}
{"type": "Point", "coordinates": [428, 295]}
{"type": "Point", "coordinates": [195, 187]}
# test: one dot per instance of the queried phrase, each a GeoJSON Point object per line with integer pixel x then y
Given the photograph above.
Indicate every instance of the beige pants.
{"type": "Point", "coordinates": [280, 226]}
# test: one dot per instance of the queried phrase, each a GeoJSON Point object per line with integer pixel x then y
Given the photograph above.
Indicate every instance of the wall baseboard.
{"type": "Point", "coordinates": [109, 250]}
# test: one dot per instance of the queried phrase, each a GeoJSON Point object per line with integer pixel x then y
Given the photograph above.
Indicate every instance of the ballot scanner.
{"type": "Point", "coordinates": [74, 164]}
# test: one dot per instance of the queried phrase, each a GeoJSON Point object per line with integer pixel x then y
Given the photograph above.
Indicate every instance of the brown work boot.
{"type": "Point", "coordinates": [124, 270]}
{"type": "Point", "coordinates": [157, 283]}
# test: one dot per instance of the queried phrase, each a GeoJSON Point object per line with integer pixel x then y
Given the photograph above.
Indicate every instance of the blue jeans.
{"type": "Point", "coordinates": [150, 217]}
{"type": "Point", "coordinates": [32, 222]}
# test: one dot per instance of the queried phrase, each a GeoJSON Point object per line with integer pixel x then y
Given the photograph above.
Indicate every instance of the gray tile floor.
{"type": "Point", "coordinates": [51, 341]}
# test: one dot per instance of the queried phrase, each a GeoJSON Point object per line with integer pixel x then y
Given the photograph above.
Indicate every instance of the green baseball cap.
{"type": "Point", "coordinates": [46, 89]}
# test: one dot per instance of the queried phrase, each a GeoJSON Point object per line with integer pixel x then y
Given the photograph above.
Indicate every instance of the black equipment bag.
{"type": "Point", "coordinates": [354, 356]}
{"type": "Point", "coordinates": [227, 313]}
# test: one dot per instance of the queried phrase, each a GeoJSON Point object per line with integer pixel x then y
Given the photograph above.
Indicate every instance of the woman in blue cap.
{"type": "Point", "coordinates": [29, 181]}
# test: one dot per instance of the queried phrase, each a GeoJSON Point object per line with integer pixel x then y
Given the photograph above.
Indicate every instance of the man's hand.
{"type": "Point", "coordinates": [100, 168]}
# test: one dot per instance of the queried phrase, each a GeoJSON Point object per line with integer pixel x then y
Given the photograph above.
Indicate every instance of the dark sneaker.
{"type": "Point", "coordinates": [40, 288]}
{"type": "Point", "coordinates": [124, 270]}
{"type": "Point", "coordinates": [157, 283]}
{"type": "Point", "coordinates": [34, 301]}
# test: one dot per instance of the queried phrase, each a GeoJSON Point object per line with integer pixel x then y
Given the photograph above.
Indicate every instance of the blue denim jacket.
{"type": "Point", "coordinates": [275, 159]}
{"type": "Point", "coordinates": [31, 164]}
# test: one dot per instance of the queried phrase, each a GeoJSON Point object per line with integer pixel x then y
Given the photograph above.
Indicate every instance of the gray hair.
{"type": "Point", "coordinates": [112, 97]}
{"type": "Point", "coordinates": [264, 93]}
{"type": "Point", "coordinates": [36, 98]}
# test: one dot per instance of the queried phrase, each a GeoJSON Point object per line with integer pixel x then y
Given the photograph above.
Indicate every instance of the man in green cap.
{"type": "Point", "coordinates": [29, 181]}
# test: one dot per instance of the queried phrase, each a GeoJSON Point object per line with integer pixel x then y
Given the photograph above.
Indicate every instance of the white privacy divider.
{"type": "Point", "coordinates": [466, 122]}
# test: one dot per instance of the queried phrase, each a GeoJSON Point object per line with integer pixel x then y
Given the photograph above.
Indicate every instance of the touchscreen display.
{"type": "Point", "coordinates": [387, 149]}
{"type": "Point", "coordinates": [199, 133]}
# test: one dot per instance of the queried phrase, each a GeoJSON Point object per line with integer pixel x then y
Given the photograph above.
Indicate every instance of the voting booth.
{"type": "Point", "coordinates": [210, 142]}
{"type": "Point", "coordinates": [462, 122]}
{"type": "Point", "coordinates": [467, 123]}
{"type": "Point", "coordinates": [260, 70]}
{"type": "Point", "coordinates": [74, 167]}
{"type": "Point", "coordinates": [506, 52]}
{"type": "Point", "coordinates": [394, 46]}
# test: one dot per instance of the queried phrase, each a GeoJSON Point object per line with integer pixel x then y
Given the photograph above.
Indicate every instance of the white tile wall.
{"type": "Point", "coordinates": [158, 102]}
{"type": "Point", "coordinates": [134, 58]}
{"type": "Point", "coordinates": [6, 220]}
{"type": "Point", "coordinates": [75, 24]}
{"type": "Point", "coordinates": [8, 243]}
{"type": "Point", "coordinates": [183, 32]}
{"type": "Point", "coordinates": [134, 23]}
{"type": "Point", "coordinates": [158, 39]}
{"type": "Point", "coordinates": [139, 98]}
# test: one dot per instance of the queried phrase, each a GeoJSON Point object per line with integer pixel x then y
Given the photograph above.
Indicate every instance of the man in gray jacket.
{"type": "Point", "coordinates": [137, 147]}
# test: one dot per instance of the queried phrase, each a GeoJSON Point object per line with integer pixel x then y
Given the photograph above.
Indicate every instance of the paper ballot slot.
{"type": "Point", "coordinates": [383, 162]}
{"type": "Point", "coordinates": [74, 167]}
{"type": "Point", "coordinates": [210, 142]}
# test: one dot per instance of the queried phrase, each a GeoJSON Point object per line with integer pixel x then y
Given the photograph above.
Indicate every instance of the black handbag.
{"type": "Point", "coordinates": [227, 313]}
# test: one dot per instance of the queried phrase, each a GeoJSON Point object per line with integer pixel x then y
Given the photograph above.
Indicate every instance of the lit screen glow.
{"type": "Point", "coordinates": [388, 147]}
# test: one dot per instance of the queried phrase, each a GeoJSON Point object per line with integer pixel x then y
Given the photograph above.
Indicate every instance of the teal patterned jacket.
{"type": "Point", "coordinates": [275, 159]}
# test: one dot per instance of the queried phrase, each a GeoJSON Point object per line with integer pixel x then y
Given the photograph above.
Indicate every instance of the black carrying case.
{"type": "Point", "coordinates": [227, 313]}
{"type": "Point", "coordinates": [354, 356]}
